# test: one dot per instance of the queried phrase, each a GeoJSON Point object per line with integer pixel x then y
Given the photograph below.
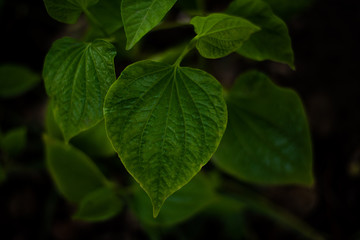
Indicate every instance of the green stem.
{"type": "Point", "coordinates": [186, 50]}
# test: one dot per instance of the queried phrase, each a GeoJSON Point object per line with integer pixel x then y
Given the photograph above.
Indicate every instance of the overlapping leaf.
{"type": "Point", "coordinates": [67, 11]}
{"type": "Point", "coordinates": [74, 174]}
{"type": "Point", "coordinates": [77, 76]}
{"type": "Point", "coordinates": [108, 14]}
{"type": "Point", "coordinates": [16, 80]}
{"type": "Point", "coordinates": [100, 205]}
{"type": "Point", "coordinates": [183, 204]}
{"type": "Point", "coordinates": [220, 34]}
{"type": "Point", "coordinates": [165, 122]}
{"type": "Point", "coordinates": [140, 16]}
{"type": "Point", "coordinates": [273, 41]}
{"type": "Point", "coordinates": [267, 140]}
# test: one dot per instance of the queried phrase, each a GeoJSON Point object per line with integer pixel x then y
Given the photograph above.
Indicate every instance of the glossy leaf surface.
{"type": "Point", "coordinates": [140, 16]}
{"type": "Point", "coordinates": [108, 14]}
{"type": "Point", "coordinates": [74, 174]}
{"type": "Point", "coordinates": [273, 41]}
{"type": "Point", "coordinates": [220, 34]}
{"type": "Point", "coordinates": [77, 77]}
{"type": "Point", "coordinates": [14, 141]}
{"type": "Point", "coordinates": [100, 205]}
{"type": "Point", "coordinates": [182, 205]}
{"type": "Point", "coordinates": [67, 11]}
{"type": "Point", "coordinates": [267, 140]}
{"type": "Point", "coordinates": [16, 80]}
{"type": "Point", "coordinates": [165, 122]}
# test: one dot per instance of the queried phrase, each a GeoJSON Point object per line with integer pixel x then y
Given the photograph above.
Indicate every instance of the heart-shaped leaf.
{"type": "Point", "coordinates": [140, 16]}
{"type": "Point", "coordinates": [220, 34]}
{"type": "Point", "coordinates": [267, 140]}
{"type": "Point", "coordinates": [273, 41]}
{"type": "Point", "coordinates": [67, 11]}
{"type": "Point", "coordinates": [165, 122]}
{"type": "Point", "coordinates": [77, 76]}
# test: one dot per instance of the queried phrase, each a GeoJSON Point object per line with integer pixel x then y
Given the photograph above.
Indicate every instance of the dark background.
{"type": "Point", "coordinates": [326, 44]}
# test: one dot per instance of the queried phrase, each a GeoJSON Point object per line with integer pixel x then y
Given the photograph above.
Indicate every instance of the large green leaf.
{"type": "Point", "coordinates": [74, 174]}
{"type": "Point", "coordinates": [140, 16]}
{"type": "Point", "coordinates": [67, 11]}
{"type": "Point", "coordinates": [100, 205]}
{"type": "Point", "coordinates": [16, 80]}
{"type": "Point", "coordinates": [273, 41]}
{"type": "Point", "coordinates": [14, 141]}
{"type": "Point", "coordinates": [267, 139]}
{"type": "Point", "coordinates": [108, 14]}
{"type": "Point", "coordinates": [77, 76]}
{"type": "Point", "coordinates": [220, 34]}
{"type": "Point", "coordinates": [94, 141]}
{"type": "Point", "coordinates": [185, 203]}
{"type": "Point", "coordinates": [165, 122]}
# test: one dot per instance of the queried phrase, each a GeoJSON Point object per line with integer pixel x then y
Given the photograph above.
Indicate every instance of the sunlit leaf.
{"type": "Point", "coordinates": [220, 34]}
{"type": "Point", "coordinates": [140, 16]}
{"type": "Point", "coordinates": [267, 139]}
{"type": "Point", "coordinates": [77, 77]}
{"type": "Point", "coordinates": [165, 122]}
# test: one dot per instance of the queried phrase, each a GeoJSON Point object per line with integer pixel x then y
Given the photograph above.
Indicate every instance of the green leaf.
{"type": "Point", "coordinates": [221, 34]}
{"type": "Point", "coordinates": [100, 205]}
{"type": "Point", "coordinates": [140, 16]}
{"type": "Point", "coordinates": [74, 174]}
{"type": "Point", "coordinates": [14, 141]}
{"type": "Point", "coordinates": [77, 76]}
{"type": "Point", "coordinates": [174, 119]}
{"type": "Point", "coordinates": [286, 8]}
{"type": "Point", "coordinates": [182, 205]}
{"type": "Point", "coordinates": [108, 13]}
{"type": "Point", "coordinates": [267, 140]}
{"type": "Point", "coordinates": [273, 41]}
{"type": "Point", "coordinates": [67, 11]}
{"type": "Point", "coordinates": [93, 141]}
{"type": "Point", "coordinates": [16, 80]}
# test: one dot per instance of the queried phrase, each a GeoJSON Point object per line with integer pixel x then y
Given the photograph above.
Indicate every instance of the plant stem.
{"type": "Point", "coordinates": [186, 50]}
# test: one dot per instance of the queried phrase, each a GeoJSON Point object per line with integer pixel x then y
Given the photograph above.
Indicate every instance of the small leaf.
{"type": "Point", "coordinates": [67, 11]}
{"type": "Point", "coordinates": [220, 34]}
{"type": "Point", "coordinates": [100, 205]}
{"type": "Point", "coordinates": [267, 140]}
{"type": "Point", "coordinates": [174, 119]}
{"type": "Point", "coordinates": [14, 141]}
{"type": "Point", "coordinates": [108, 13]}
{"type": "Point", "coordinates": [77, 76]}
{"type": "Point", "coordinates": [182, 205]}
{"type": "Point", "coordinates": [74, 174]}
{"type": "Point", "coordinates": [16, 80]}
{"type": "Point", "coordinates": [273, 41]}
{"type": "Point", "coordinates": [140, 16]}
